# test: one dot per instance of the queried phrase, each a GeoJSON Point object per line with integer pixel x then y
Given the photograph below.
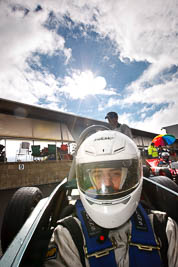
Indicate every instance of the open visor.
{"type": "Point", "coordinates": [108, 180]}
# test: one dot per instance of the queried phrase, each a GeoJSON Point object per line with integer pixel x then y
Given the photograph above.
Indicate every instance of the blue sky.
{"type": "Point", "coordinates": [91, 57]}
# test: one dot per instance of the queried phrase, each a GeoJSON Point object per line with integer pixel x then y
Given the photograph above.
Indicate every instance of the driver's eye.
{"type": "Point", "coordinates": [97, 176]}
{"type": "Point", "coordinates": [115, 173]}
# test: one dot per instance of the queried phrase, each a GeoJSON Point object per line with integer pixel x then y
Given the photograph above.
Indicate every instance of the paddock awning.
{"type": "Point", "coordinates": [14, 127]}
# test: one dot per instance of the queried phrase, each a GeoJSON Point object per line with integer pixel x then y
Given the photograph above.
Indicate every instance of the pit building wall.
{"type": "Point", "coordinates": [19, 174]}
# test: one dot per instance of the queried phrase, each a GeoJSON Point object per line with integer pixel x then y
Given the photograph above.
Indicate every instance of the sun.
{"type": "Point", "coordinates": [82, 84]}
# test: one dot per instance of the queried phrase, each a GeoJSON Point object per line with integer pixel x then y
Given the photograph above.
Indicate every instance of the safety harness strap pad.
{"type": "Point", "coordinates": [160, 223]}
{"type": "Point", "coordinates": [143, 249]}
{"type": "Point", "coordinates": [94, 249]}
{"type": "Point", "coordinates": [75, 231]}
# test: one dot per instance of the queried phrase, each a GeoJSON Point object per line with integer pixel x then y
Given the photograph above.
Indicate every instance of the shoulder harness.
{"type": "Point", "coordinates": [144, 248]}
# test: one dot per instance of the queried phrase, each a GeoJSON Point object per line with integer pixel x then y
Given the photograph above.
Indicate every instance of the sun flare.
{"type": "Point", "coordinates": [82, 84]}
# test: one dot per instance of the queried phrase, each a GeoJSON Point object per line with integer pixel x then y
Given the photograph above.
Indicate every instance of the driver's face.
{"type": "Point", "coordinates": [108, 177]}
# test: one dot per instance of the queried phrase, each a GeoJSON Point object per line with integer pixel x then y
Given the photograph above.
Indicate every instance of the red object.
{"type": "Point", "coordinates": [163, 139]}
{"type": "Point", "coordinates": [64, 147]}
{"type": "Point", "coordinates": [102, 237]}
{"type": "Point", "coordinates": [68, 157]}
{"type": "Point", "coordinates": [153, 162]}
{"type": "Point", "coordinates": [159, 167]}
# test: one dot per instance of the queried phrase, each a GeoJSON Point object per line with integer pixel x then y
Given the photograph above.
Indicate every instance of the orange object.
{"type": "Point", "coordinates": [64, 147]}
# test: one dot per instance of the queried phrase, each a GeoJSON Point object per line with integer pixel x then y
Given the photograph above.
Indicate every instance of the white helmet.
{"type": "Point", "coordinates": [109, 177]}
{"type": "Point", "coordinates": [165, 155]}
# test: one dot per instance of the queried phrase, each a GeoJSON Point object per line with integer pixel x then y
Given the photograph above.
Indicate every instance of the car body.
{"type": "Point", "coordinates": [29, 245]}
{"type": "Point", "coordinates": [159, 167]}
{"type": "Point", "coordinates": [35, 234]}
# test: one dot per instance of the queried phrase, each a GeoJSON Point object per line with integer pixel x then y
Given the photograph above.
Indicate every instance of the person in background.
{"type": "Point", "coordinates": [115, 125]}
{"type": "Point", "coordinates": [152, 151]}
{"type": "Point", "coordinates": [160, 150]}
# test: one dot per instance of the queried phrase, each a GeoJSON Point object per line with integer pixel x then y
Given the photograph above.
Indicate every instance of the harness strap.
{"type": "Point", "coordinates": [143, 249]}
{"type": "Point", "coordinates": [75, 231]}
{"type": "Point", "coordinates": [160, 223]}
{"type": "Point", "coordinates": [98, 254]}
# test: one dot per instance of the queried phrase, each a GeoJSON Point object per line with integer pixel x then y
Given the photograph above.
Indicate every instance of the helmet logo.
{"type": "Point", "coordinates": [104, 138]}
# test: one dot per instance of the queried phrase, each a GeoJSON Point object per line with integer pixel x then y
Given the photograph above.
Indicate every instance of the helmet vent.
{"type": "Point", "coordinates": [89, 152]}
{"type": "Point", "coordinates": [118, 149]}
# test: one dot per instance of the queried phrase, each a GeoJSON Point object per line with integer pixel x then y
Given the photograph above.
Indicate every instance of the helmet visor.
{"type": "Point", "coordinates": [108, 180]}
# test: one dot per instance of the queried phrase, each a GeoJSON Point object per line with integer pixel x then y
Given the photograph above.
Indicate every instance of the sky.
{"type": "Point", "coordinates": [91, 57]}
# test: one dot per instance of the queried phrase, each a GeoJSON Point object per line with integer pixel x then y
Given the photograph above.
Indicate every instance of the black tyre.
{"type": "Point", "coordinates": [146, 171]}
{"type": "Point", "coordinates": [163, 180]}
{"type": "Point", "coordinates": [160, 199]}
{"type": "Point", "coordinates": [175, 179]}
{"type": "Point", "coordinates": [165, 172]}
{"type": "Point", "coordinates": [18, 210]}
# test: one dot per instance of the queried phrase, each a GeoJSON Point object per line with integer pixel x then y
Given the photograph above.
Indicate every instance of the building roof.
{"type": "Point", "coordinates": [172, 129]}
{"type": "Point", "coordinates": [173, 125]}
{"type": "Point", "coordinates": [29, 111]}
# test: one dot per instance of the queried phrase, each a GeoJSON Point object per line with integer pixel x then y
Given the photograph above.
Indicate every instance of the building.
{"type": "Point", "coordinates": [27, 122]}
{"type": "Point", "coordinates": [172, 129]}
{"type": "Point", "coordinates": [34, 124]}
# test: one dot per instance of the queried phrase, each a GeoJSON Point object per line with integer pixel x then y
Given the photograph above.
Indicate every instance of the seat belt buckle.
{"type": "Point", "coordinates": [144, 247]}
{"type": "Point", "coordinates": [101, 253]}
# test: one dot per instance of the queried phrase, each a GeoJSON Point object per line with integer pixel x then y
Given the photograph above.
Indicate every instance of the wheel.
{"type": "Point", "coordinates": [146, 171]}
{"type": "Point", "coordinates": [18, 210]}
{"type": "Point", "coordinates": [163, 180]}
{"type": "Point", "coordinates": [165, 172]}
{"type": "Point", "coordinates": [159, 198]}
{"type": "Point", "coordinates": [175, 179]}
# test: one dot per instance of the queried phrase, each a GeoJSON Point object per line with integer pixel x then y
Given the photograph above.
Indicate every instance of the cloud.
{"type": "Point", "coordinates": [164, 91]}
{"type": "Point", "coordinates": [140, 31]}
{"type": "Point", "coordinates": [110, 103]}
{"type": "Point", "coordinates": [157, 95]}
{"type": "Point", "coordinates": [82, 84]}
{"type": "Point", "coordinates": [22, 35]}
{"type": "Point", "coordinates": [55, 106]}
{"type": "Point", "coordinates": [161, 118]}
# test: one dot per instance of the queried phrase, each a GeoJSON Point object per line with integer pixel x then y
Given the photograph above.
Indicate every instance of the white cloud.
{"type": "Point", "coordinates": [139, 30]}
{"type": "Point", "coordinates": [21, 36]}
{"type": "Point", "coordinates": [161, 118]}
{"type": "Point", "coordinates": [142, 31]}
{"type": "Point", "coordinates": [29, 85]}
{"type": "Point", "coordinates": [165, 92]}
{"type": "Point", "coordinates": [111, 102]}
{"type": "Point", "coordinates": [82, 84]}
{"type": "Point", "coordinates": [55, 106]}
